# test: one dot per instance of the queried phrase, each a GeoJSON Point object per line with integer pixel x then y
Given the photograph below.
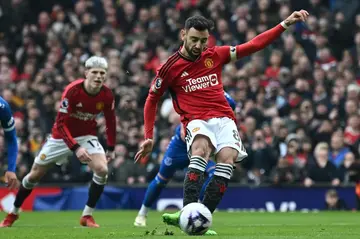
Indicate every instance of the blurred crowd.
{"type": "Point", "coordinates": [297, 100]}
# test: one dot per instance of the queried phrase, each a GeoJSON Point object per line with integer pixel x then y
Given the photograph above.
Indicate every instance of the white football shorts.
{"type": "Point", "coordinates": [56, 151]}
{"type": "Point", "coordinates": [222, 133]}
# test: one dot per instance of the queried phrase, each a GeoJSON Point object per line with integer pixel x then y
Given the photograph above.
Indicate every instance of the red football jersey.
{"type": "Point", "coordinates": [196, 86]}
{"type": "Point", "coordinates": [78, 112]}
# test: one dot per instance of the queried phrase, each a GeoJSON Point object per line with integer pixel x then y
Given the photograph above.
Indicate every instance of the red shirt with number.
{"type": "Point", "coordinates": [78, 111]}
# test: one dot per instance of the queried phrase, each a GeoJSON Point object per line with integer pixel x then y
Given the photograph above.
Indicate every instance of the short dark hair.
{"type": "Point", "coordinates": [332, 193]}
{"type": "Point", "coordinates": [200, 23]}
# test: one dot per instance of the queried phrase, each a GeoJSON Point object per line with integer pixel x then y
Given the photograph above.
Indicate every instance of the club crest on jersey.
{"type": "Point", "coordinates": [168, 161]}
{"type": "Point", "coordinates": [100, 106]}
{"type": "Point", "coordinates": [42, 156]}
{"type": "Point", "coordinates": [195, 129]}
{"type": "Point", "coordinates": [208, 63]}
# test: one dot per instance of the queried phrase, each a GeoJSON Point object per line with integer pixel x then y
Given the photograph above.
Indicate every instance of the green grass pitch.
{"type": "Point", "coordinates": [240, 225]}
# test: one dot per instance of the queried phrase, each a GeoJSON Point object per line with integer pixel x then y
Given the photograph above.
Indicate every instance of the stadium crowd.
{"type": "Point", "coordinates": [297, 101]}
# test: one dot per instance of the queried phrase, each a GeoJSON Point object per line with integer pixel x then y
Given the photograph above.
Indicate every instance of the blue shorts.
{"type": "Point", "coordinates": [176, 158]}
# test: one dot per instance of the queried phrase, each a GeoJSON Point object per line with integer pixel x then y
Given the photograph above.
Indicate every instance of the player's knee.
{"type": "Point", "coordinates": [29, 181]}
{"type": "Point", "coordinates": [227, 156]}
{"type": "Point", "coordinates": [226, 160]}
{"type": "Point", "coordinates": [35, 175]}
{"type": "Point", "coordinates": [101, 171]}
{"type": "Point", "coordinates": [201, 147]}
{"type": "Point", "coordinates": [160, 180]}
{"type": "Point", "coordinates": [100, 180]}
{"type": "Point", "coordinates": [199, 151]}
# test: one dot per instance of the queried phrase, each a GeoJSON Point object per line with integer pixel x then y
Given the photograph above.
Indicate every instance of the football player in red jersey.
{"type": "Point", "coordinates": [193, 77]}
{"type": "Point", "coordinates": [75, 132]}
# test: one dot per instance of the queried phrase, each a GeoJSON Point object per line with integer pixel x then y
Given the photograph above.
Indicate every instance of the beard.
{"type": "Point", "coordinates": [190, 52]}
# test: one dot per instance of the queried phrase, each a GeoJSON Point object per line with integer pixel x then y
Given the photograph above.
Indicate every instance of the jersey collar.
{"type": "Point", "coordinates": [91, 95]}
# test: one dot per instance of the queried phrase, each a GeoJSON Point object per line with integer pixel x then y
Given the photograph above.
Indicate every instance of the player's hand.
{"type": "Point", "coordinates": [145, 149]}
{"type": "Point", "coordinates": [110, 155]}
{"type": "Point", "coordinates": [11, 180]}
{"type": "Point", "coordinates": [83, 155]}
{"type": "Point", "coordinates": [297, 16]}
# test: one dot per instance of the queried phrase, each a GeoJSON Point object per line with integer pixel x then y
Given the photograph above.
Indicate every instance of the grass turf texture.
{"type": "Point", "coordinates": [119, 224]}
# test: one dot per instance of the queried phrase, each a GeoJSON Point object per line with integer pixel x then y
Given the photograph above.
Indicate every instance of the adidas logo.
{"type": "Point", "coordinates": [184, 74]}
{"type": "Point", "coordinates": [79, 105]}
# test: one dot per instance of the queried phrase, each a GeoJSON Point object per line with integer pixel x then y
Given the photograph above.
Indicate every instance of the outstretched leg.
{"type": "Point", "coordinates": [152, 194]}
{"type": "Point", "coordinates": [175, 158]}
{"type": "Point", "coordinates": [26, 187]}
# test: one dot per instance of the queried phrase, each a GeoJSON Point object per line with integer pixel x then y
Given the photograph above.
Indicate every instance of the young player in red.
{"type": "Point", "coordinates": [75, 132]}
{"type": "Point", "coordinates": [193, 77]}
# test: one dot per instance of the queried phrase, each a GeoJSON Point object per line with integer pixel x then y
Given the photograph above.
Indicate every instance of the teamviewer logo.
{"type": "Point", "coordinates": [213, 79]}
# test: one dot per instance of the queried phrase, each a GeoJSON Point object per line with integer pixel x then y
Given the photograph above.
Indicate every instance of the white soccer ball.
{"type": "Point", "coordinates": [195, 219]}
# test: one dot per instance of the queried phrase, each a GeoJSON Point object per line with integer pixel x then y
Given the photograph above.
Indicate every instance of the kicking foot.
{"type": "Point", "coordinates": [171, 218]}
{"type": "Point", "coordinates": [88, 221]}
{"type": "Point", "coordinates": [9, 220]}
{"type": "Point", "coordinates": [140, 221]}
{"type": "Point", "coordinates": [210, 233]}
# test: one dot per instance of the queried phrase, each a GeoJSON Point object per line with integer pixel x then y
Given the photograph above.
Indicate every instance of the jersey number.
{"type": "Point", "coordinates": [236, 135]}
{"type": "Point", "coordinates": [92, 144]}
{"type": "Point", "coordinates": [237, 138]}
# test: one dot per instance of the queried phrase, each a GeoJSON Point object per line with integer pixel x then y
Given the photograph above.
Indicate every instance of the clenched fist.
{"type": "Point", "coordinates": [297, 16]}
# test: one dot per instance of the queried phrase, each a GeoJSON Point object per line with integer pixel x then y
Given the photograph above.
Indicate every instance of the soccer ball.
{"type": "Point", "coordinates": [195, 219]}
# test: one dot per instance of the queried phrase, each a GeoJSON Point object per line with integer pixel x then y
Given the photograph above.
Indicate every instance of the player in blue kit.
{"type": "Point", "coordinates": [8, 125]}
{"type": "Point", "coordinates": [175, 158]}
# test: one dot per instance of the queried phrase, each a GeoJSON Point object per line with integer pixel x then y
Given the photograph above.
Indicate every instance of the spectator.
{"type": "Point", "coordinates": [306, 83]}
{"type": "Point", "coordinates": [348, 171]}
{"type": "Point", "coordinates": [261, 157]}
{"type": "Point", "coordinates": [322, 171]}
{"type": "Point", "coordinates": [294, 156]}
{"type": "Point", "coordinates": [338, 149]}
{"type": "Point", "coordinates": [333, 202]}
